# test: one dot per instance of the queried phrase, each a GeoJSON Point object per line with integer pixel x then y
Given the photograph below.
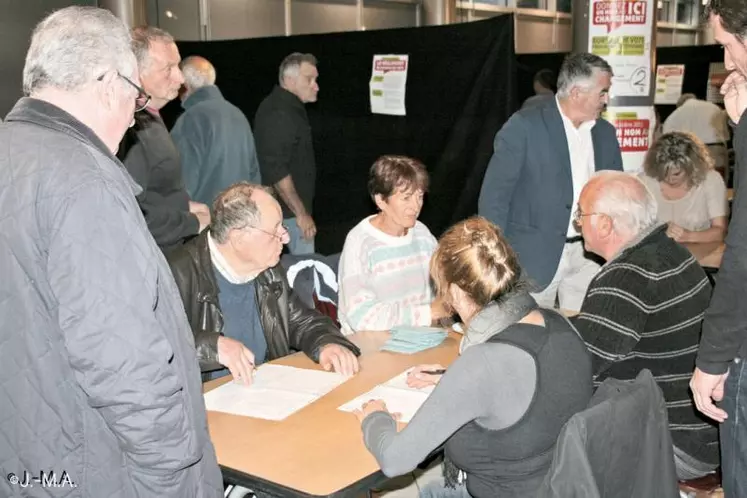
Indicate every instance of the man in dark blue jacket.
{"type": "Point", "coordinates": [542, 158]}
{"type": "Point", "coordinates": [213, 136]}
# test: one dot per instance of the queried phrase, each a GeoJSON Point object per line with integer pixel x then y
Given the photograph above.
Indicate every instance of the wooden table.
{"type": "Point", "coordinates": [317, 451]}
{"type": "Point", "coordinates": [708, 254]}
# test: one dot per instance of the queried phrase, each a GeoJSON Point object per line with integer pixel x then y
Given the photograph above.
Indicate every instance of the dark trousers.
{"type": "Point", "coordinates": [734, 432]}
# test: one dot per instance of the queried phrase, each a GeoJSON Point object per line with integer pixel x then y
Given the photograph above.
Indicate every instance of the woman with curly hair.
{"type": "Point", "coordinates": [691, 195]}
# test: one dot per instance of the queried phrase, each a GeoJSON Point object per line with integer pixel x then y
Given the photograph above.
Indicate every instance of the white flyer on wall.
{"type": "Point", "coordinates": [620, 32]}
{"type": "Point", "coordinates": [388, 84]}
{"type": "Point", "coordinates": [669, 83]}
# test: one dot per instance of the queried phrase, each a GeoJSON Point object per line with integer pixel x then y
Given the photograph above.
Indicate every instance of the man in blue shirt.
{"type": "Point", "coordinates": [214, 138]}
{"type": "Point", "coordinates": [236, 295]}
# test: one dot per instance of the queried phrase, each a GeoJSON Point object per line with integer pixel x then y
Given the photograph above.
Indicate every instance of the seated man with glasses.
{"type": "Point", "coordinates": [237, 298]}
{"type": "Point", "coordinates": [644, 309]}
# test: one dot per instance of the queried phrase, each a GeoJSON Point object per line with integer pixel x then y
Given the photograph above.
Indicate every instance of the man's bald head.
{"type": "Point", "coordinates": [198, 72]}
{"type": "Point", "coordinates": [624, 199]}
{"type": "Point", "coordinates": [614, 209]}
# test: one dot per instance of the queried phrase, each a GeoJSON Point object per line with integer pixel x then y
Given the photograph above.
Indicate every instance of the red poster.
{"type": "Point", "coordinates": [632, 134]}
{"type": "Point", "coordinates": [614, 14]}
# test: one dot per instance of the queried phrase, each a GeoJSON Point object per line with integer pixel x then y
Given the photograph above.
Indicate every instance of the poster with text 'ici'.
{"type": "Point", "coordinates": [388, 83]}
{"type": "Point", "coordinates": [620, 32]}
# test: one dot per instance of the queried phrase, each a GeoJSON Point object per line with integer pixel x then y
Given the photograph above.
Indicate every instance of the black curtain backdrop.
{"type": "Point", "coordinates": [460, 90]}
{"type": "Point", "coordinates": [697, 60]}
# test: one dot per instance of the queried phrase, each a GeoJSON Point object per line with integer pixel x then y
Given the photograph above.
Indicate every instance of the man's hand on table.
{"type": "Point", "coordinates": [339, 359]}
{"type": "Point", "coordinates": [237, 358]}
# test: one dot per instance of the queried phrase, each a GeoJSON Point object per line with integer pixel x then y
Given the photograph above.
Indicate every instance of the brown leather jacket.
{"type": "Point", "coordinates": [288, 325]}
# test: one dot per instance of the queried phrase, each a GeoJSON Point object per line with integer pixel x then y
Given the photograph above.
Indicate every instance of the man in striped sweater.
{"type": "Point", "coordinates": [645, 307]}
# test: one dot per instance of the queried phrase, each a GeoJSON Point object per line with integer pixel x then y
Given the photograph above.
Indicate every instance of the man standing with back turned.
{"type": "Point", "coordinates": [285, 149]}
{"type": "Point", "coordinates": [720, 372]}
{"type": "Point", "coordinates": [543, 157]}
{"type": "Point", "coordinates": [213, 136]}
{"type": "Point", "coordinates": [100, 384]}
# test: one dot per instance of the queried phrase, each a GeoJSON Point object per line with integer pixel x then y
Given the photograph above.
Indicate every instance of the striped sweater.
{"type": "Point", "coordinates": [384, 280]}
{"type": "Point", "coordinates": [644, 309]}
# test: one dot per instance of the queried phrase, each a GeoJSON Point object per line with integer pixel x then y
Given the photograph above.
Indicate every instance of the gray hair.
{"type": "Point", "coordinates": [74, 46]}
{"type": "Point", "coordinates": [234, 209]}
{"type": "Point", "coordinates": [626, 200]}
{"type": "Point", "coordinates": [292, 64]}
{"type": "Point", "coordinates": [142, 38]}
{"type": "Point", "coordinates": [579, 70]}
{"type": "Point", "coordinates": [197, 75]}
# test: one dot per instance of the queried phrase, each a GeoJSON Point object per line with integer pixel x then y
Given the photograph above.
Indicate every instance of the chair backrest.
{"type": "Point", "coordinates": [619, 447]}
{"type": "Point", "coordinates": [313, 278]}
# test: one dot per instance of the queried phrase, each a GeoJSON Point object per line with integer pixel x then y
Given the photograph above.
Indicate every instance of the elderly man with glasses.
{"type": "Point", "coordinates": [237, 298]}
{"type": "Point", "coordinates": [99, 382]}
{"type": "Point", "coordinates": [644, 309]}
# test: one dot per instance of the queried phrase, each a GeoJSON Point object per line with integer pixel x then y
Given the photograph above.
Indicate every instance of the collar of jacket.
{"type": "Point", "coordinates": [42, 113]}
{"type": "Point", "coordinates": [210, 92]}
{"type": "Point", "coordinates": [643, 238]}
{"type": "Point", "coordinates": [288, 97]}
{"type": "Point", "coordinates": [267, 281]}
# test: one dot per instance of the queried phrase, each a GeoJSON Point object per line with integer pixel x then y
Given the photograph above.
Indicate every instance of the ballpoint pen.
{"type": "Point", "coordinates": [440, 371]}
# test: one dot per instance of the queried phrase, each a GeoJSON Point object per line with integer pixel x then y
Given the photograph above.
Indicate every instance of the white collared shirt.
{"type": "Point", "coordinates": [581, 153]}
{"type": "Point", "coordinates": [704, 119]}
{"type": "Point", "coordinates": [222, 265]}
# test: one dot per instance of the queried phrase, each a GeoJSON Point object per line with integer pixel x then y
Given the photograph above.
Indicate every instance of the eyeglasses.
{"type": "Point", "coordinates": [142, 100]}
{"type": "Point", "coordinates": [578, 216]}
{"type": "Point", "coordinates": [282, 228]}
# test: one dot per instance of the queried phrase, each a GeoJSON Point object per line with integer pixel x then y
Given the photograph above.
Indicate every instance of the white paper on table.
{"type": "Point", "coordinates": [276, 392]}
{"type": "Point", "coordinates": [398, 396]}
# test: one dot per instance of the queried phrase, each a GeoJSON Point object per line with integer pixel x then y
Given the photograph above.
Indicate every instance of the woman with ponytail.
{"type": "Point", "coordinates": [522, 373]}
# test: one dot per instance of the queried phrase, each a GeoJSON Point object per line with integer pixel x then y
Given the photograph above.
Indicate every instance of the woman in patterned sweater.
{"type": "Point", "coordinates": [383, 274]}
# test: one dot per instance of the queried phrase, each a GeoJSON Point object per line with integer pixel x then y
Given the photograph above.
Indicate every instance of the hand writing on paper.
{"type": "Point", "coordinates": [676, 232]}
{"type": "Point", "coordinates": [706, 389]}
{"type": "Point", "coordinates": [338, 358]}
{"type": "Point", "coordinates": [734, 91]}
{"type": "Point", "coordinates": [237, 358]}
{"type": "Point", "coordinates": [374, 405]}
{"type": "Point", "coordinates": [418, 379]}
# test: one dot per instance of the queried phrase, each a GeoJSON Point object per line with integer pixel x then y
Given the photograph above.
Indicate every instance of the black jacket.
{"type": "Point", "coordinates": [284, 145]}
{"type": "Point", "coordinates": [288, 325]}
{"type": "Point", "coordinates": [151, 158]}
{"type": "Point", "coordinates": [725, 322]}
{"type": "Point", "coordinates": [617, 448]}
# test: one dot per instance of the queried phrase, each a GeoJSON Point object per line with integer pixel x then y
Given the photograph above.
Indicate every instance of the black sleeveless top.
{"type": "Point", "coordinates": [512, 462]}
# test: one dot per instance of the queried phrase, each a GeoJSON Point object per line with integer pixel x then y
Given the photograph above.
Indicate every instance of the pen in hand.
{"type": "Point", "coordinates": [440, 371]}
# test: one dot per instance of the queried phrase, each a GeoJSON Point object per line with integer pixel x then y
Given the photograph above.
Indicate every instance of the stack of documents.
{"type": "Point", "coordinates": [276, 392]}
{"type": "Point", "coordinates": [413, 339]}
{"type": "Point", "coordinates": [398, 396]}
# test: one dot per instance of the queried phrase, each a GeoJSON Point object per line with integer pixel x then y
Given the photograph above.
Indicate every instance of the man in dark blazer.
{"type": "Point", "coordinates": [542, 158]}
